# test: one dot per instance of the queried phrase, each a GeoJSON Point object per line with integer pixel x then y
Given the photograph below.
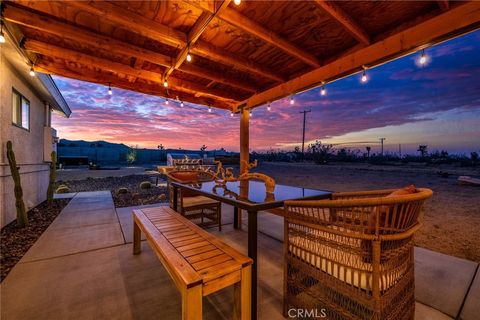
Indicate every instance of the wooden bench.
{"type": "Point", "coordinates": [198, 262]}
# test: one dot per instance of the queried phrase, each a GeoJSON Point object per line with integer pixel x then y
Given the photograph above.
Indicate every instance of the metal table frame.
{"type": "Point", "coordinates": [252, 209]}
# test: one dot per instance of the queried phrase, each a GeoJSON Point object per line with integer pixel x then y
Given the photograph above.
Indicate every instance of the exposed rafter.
{"type": "Point", "coordinates": [102, 77]}
{"type": "Point", "coordinates": [50, 25]}
{"type": "Point", "coordinates": [240, 21]}
{"type": "Point", "coordinates": [194, 34]}
{"type": "Point", "coordinates": [444, 5]}
{"type": "Point", "coordinates": [89, 60]}
{"type": "Point", "coordinates": [154, 30]}
{"type": "Point", "coordinates": [463, 18]}
{"type": "Point", "coordinates": [345, 20]}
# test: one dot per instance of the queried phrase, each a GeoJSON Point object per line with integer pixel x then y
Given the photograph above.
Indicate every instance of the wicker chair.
{"type": "Point", "coordinates": [352, 256]}
{"type": "Point", "coordinates": [202, 210]}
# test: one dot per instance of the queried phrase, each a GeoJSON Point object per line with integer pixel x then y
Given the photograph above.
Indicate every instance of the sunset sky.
{"type": "Point", "coordinates": [437, 105]}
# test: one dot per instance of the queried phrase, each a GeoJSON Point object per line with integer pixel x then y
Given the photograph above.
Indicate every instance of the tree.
{"type": "Point", "coordinates": [132, 155]}
{"type": "Point", "coordinates": [423, 150]}
{"type": "Point", "coordinates": [160, 147]}
{"type": "Point", "coordinates": [203, 148]}
{"type": "Point", "coordinates": [368, 151]}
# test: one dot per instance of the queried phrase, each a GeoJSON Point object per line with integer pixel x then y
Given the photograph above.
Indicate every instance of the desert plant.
{"type": "Point", "coordinates": [122, 190]}
{"type": "Point", "coordinates": [132, 155]}
{"type": "Point", "coordinates": [51, 181]}
{"type": "Point", "coordinates": [22, 218]}
{"type": "Point", "coordinates": [423, 150]}
{"type": "Point", "coordinates": [145, 185]}
{"type": "Point", "coordinates": [62, 189]}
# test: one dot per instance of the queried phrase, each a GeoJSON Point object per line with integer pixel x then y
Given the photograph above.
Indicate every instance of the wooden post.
{"type": "Point", "coordinates": [244, 139]}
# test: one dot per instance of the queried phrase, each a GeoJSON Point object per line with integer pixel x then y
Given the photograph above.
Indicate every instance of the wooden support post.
{"type": "Point", "coordinates": [242, 295]}
{"type": "Point", "coordinates": [137, 237]}
{"type": "Point", "coordinates": [244, 140]}
{"type": "Point", "coordinates": [192, 303]}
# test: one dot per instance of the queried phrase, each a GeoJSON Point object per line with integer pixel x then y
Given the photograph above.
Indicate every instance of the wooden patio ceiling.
{"type": "Point", "coordinates": [242, 56]}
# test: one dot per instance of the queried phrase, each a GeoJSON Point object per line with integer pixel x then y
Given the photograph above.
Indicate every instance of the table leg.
{"type": "Point", "coordinates": [252, 253]}
{"type": "Point", "coordinates": [235, 217]}
{"type": "Point", "coordinates": [175, 198]}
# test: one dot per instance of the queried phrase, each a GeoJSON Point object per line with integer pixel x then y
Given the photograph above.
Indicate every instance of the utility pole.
{"type": "Point", "coordinates": [303, 135]}
{"type": "Point", "coordinates": [381, 141]}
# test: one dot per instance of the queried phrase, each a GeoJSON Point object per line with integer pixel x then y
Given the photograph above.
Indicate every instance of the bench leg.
{"type": "Point", "coordinates": [192, 303]}
{"type": "Point", "coordinates": [137, 237]}
{"type": "Point", "coordinates": [242, 296]}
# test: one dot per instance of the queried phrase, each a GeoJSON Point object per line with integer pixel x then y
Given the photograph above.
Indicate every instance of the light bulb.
{"type": "Point", "coordinates": [209, 109]}
{"type": "Point", "coordinates": [237, 2]}
{"type": "Point", "coordinates": [269, 108]}
{"type": "Point", "coordinates": [364, 76]}
{"type": "Point", "coordinates": [189, 57]}
{"type": "Point", "coordinates": [109, 89]}
{"type": "Point", "coordinates": [181, 104]}
{"type": "Point", "coordinates": [2, 37]}
{"type": "Point", "coordinates": [166, 101]}
{"type": "Point", "coordinates": [423, 58]}
{"type": "Point", "coordinates": [250, 114]}
{"type": "Point", "coordinates": [323, 91]}
{"type": "Point", "coordinates": [32, 72]}
{"type": "Point", "coordinates": [165, 84]}
{"type": "Point", "coordinates": [231, 114]}
{"type": "Point", "coordinates": [292, 101]}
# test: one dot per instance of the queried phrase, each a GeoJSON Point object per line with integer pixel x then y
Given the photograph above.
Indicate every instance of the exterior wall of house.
{"type": "Point", "coordinates": [28, 145]}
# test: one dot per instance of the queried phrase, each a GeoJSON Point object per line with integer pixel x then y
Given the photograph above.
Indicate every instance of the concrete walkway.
{"type": "Point", "coordinates": [82, 268]}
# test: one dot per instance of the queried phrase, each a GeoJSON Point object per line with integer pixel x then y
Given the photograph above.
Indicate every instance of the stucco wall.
{"type": "Point", "coordinates": [28, 145]}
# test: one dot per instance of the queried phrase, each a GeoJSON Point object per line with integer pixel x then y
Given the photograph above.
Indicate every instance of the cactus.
{"type": "Point", "coordinates": [62, 189]}
{"type": "Point", "coordinates": [145, 185]}
{"type": "Point", "coordinates": [53, 175]}
{"type": "Point", "coordinates": [22, 218]}
{"type": "Point", "coordinates": [122, 190]}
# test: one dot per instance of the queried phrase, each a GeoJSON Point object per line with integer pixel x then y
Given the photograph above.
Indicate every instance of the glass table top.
{"type": "Point", "coordinates": [255, 192]}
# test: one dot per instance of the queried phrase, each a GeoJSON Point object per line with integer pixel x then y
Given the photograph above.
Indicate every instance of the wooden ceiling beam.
{"type": "Point", "coordinates": [444, 5]}
{"type": "Point", "coordinates": [345, 20]}
{"type": "Point", "coordinates": [157, 31]}
{"type": "Point", "coordinates": [242, 22]}
{"type": "Point", "coordinates": [461, 19]}
{"type": "Point", "coordinates": [101, 77]}
{"type": "Point", "coordinates": [194, 34]}
{"type": "Point", "coordinates": [174, 83]}
{"type": "Point", "coordinates": [50, 25]}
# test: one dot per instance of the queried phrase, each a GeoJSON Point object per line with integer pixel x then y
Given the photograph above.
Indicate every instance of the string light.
{"type": "Point", "coordinates": [209, 109]}
{"type": "Point", "coordinates": [32, 72]}
{"type": "Point", "coordinates": [181, 104]}
{"type": "Point", "coordinates": [423, 58]}
{"type": "Point", "coordinates": [109, 89]}
{"type": "Point", "coordinates": [166, 101]}
{"type": "Point", "coordinates": [189, 56]}
{"type": "Point", "coordinates": [237, 2]}
{"type": "Point", "coordinates": [250, 113]}
{"type": "Point", "coordinates": [323, 91]}
{"type": "Point", "coordinates": [2, 37]}
{"type": "Point", "coordinates": [165, 84]}
{"type": "Point", "coordinates": [364, 78]}
{"type": "Point", "coordinates": [269, 108]}
{"type": "Point", "coordinates": [292, 101]}
{"type": "Point", "coordinates": [231, 114]}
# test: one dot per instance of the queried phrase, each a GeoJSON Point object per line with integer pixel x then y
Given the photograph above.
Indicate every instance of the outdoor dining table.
{"type": "Point", "coordinates": [251, 196]}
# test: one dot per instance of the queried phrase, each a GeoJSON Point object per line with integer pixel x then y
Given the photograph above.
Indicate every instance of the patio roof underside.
{"type": "Point", "coordinates": [243, 56]}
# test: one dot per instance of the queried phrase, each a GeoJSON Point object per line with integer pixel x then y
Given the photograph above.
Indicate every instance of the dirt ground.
{"type": "Point", "coordinates": [451, 216]}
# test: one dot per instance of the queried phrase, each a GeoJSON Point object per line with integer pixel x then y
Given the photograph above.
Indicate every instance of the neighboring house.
{"type": "Point", "coordinates": [26, 104]}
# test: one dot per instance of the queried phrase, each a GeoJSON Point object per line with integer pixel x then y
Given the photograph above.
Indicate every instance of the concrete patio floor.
{"type": "Point", "coordinates": [82, 268]}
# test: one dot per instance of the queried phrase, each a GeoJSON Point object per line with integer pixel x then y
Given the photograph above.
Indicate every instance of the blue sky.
{"type": "Point", "coordinates": [437, 105]}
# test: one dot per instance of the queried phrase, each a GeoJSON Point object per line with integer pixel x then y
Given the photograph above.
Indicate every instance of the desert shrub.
{"type": "Point", "coordinates": [62, 189]}
{"type": "Point", "coordinates": [145, 185]}
{"type": "Point", "coordinates": [122, 190]}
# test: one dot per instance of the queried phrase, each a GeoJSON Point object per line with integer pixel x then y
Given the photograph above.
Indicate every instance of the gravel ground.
{"type": "Point", "coordinates": [15, 241]}
{"type": "Point", "coordinates": [134, 197]}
